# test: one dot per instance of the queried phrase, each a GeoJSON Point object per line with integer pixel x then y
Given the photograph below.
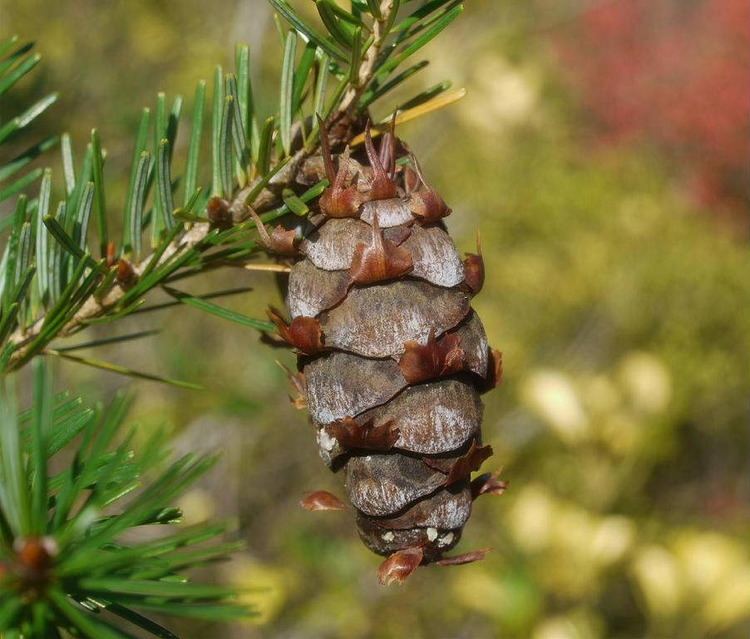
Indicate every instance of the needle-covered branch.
{"type": "Point", "coordinates": [73, 543]}
{"type": "Point", "coordinates": [62, 270]}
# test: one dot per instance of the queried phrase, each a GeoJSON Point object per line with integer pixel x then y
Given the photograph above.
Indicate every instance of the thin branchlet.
{"type": "Point", "coordinates": [367, 69]}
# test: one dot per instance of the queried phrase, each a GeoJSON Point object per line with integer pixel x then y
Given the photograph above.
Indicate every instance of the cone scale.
{"type": "Point", "coordinates": [392, 356]}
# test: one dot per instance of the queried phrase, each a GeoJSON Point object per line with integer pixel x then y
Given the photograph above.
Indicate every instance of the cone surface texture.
{"type": "Point", "coordinates": [399, 358]}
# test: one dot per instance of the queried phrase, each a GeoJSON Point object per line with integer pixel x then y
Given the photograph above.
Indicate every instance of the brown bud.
{"type": "Point", "coordinates": [34, 558]}
{"type": "Point", "coordinates": [350, 434]}
{"type": "Point", "coordinates": [465, 558]}
{"type": "Point", "coordinates": [304, 333]}
{"type": "Point", "coordinates": [382, 186]}
{"type": "Point", "coordinates": [381, 260]}
{"type": "Point", "coordinates": [436, 358]}
{"type": "Point", "coordinates": [35, 553]}
{"type": "Point", "coordinates": [468, 463]}
{"type": "Point", "coordinates": [399, 566]}
{"type": "Point", "coordinates": [126, 275]}
{"type": "Point", "coordinates": [488, 484]}
{"type": "Point", "coordinates": [321, 500]}
{"type": "Point", "coordinates": [111, 253]}
{"type": "Point", "coordinates": [219, 215]}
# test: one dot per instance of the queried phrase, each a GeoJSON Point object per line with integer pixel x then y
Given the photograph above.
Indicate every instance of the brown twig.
{"type": "Point", "coordinates": [95, 307]}
{"type": "Point", "coordinates": [367, 67]}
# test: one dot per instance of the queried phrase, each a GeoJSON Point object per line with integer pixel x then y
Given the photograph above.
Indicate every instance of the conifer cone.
{"type": "Point", "coordinates": [392, 355]}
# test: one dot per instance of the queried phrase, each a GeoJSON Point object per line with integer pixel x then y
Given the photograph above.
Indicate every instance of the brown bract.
{"type": "Point", "coordinates": [427, 205]}
{"type": "Point", "coordinates": [436, 358]}
{"type": "Point", "coordinates": [280, 240]}
{"type": "Point", "coordinates": [341, 198]}
{"type": "Point", "coordinates": [468, 463]}
{"type": "Point", "coordinates": [304, 333]}
{"type": "Point", "coordinates": [474, 272]}
{"type": "Point", "coordinates": [338, 201]}
{"type": "Point", "coordinates": [352, 435]}
{"type": "Point", "coordinates": [383, 186]}
{"type": "Point", "coordinates": [297, 380]}
{"type": "Point", "coordinates": [387, 153]}
{"type": "Point", "coordinates": [321, 500]}
{"type": "Point", "coordinates": [474, 269]}
{"type": "Point", "coordinates": [381, 260]}
{"type": "Point", "coordinates": [283, 241]}
{"type": "Point", "coordinates": [424, 201]}
{"type": "Point", "coordinates": [465, 558]}
{"type": "Point", "coordinates": [411, 180]}
{"type": "Point", "coordinates": [399, 566]}
{"type": "Point", "coordinates": [488, 484]}
{"type": "Point", "coordinates": [494, 370]}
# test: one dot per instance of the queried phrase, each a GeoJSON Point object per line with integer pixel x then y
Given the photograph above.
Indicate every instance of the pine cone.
{"type": "Point", "coordinates": [393, 357]}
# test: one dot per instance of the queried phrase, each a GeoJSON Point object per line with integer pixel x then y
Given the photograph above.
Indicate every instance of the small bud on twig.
{"type": "Point", "coordinates": [126, 274]}
{"type": "Point", "coordinates": [219, 214]}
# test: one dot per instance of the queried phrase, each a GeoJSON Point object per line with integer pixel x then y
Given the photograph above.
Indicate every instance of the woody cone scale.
{"type": "Point", "coordinates": [392, 359]}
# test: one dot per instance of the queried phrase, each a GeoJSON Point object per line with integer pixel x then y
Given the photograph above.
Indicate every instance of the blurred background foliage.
{"type": "Point", "coordinates": [602, 152]}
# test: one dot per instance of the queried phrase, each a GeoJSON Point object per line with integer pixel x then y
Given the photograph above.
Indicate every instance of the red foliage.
{"type": "Point", "coordinates": [675, 73]}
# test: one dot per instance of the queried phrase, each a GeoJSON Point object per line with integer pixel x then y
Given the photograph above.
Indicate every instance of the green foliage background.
{"type": "Point", "coordinates": [620, 309]}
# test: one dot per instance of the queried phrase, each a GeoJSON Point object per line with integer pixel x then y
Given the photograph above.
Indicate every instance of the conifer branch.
{"type": "Point", "coordinates": [51, 285]}
{"type": "Point", "coordinates": [64, 558]}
